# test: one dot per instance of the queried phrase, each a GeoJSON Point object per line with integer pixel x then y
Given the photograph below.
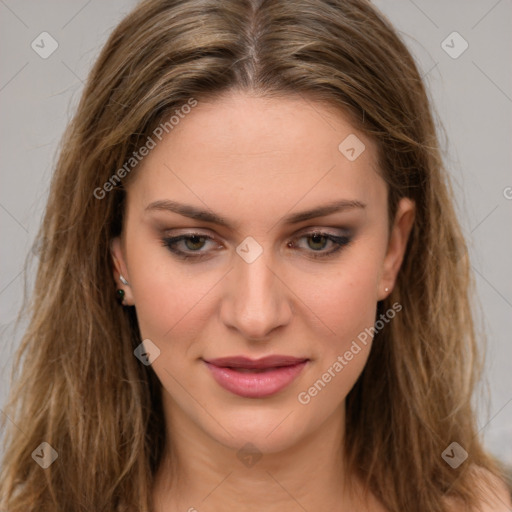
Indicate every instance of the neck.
{"type": "Point", "coordinates": [199, 473]}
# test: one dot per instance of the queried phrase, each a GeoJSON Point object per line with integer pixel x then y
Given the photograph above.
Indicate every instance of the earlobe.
{"type": "Point", "coordinates": [399, 236]}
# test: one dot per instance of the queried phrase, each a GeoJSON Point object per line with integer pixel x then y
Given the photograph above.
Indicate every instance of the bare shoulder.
{"type": "Point", "coordinates": [495, 494]}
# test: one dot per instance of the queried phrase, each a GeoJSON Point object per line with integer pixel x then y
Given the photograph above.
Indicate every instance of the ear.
{"type": "Point", "coordinates": [119, 268]}
{"type": "Point", "coordinates": [402, 225]}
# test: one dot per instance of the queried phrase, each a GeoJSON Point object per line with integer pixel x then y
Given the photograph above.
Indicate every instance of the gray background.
{"type": "Point", "coordinates": [472, 95]}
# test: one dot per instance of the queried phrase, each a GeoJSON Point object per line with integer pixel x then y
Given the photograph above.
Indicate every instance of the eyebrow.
{"type": "Point", "coordinates": [194, 212]}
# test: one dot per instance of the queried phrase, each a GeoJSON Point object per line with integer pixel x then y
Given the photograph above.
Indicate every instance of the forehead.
{"type": "Point", "coordinates": [245, 150]}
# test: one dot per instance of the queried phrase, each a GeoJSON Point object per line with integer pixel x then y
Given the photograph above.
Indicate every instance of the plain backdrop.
{"type": "Point", "coordinates": [471, 95]}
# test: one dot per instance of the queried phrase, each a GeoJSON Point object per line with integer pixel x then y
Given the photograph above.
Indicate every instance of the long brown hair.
{"type": "Point", "coordinates": [78, 385]}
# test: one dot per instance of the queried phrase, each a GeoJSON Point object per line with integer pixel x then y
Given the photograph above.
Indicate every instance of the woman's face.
{"type": "Point", "coordinates": [260, 283]}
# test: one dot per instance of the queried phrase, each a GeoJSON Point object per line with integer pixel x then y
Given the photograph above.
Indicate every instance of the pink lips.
{"type": "Point", "coordinates": [255, 378]}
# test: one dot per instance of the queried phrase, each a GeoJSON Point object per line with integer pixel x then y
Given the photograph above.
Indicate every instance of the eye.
{"type": "Point", "coordinates": [193, 243]}
{"type": "Point", "coordinates": [321, 239]}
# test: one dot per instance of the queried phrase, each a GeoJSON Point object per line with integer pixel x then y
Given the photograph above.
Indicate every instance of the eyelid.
{"type": "Point", "coordinates": [309, 230]}
{"type": "Point", "coordinates": [325, 230]}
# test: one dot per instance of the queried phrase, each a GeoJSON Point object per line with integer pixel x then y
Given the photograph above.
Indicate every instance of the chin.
{"type": "Point", "coordinates": [269, 429]}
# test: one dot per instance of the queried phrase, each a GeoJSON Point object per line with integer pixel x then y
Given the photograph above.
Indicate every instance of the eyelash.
{"type": "Point", "coordinates": [339, 241]}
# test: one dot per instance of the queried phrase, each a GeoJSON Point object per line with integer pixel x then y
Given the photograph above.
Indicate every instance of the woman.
{"type": "Point", "coordinates": [260, 187]}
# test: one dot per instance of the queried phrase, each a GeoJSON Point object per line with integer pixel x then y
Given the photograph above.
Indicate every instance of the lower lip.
{"type": "Point", "coordinates": [255, 385]}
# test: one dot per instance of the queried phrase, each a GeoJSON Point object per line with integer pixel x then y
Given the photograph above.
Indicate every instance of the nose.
{"type": "Point", "coordinates": [257, 300]}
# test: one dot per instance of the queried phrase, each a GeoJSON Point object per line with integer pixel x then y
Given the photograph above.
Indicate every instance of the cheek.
{"type": "Point", "coordinates": [168, 295]}
{"type": "Point", "coordinates": [344, 301]}
{"type": "Point", "coordinates": [346, 305]}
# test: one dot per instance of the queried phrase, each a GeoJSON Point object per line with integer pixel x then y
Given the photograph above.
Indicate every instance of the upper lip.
{"type": "Point", "coordinates": [265, 362]}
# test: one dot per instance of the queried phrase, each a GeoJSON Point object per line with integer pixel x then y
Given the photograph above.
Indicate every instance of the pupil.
{"type": "Point", "coordinates": [316, 238]}
{"type": "Point", "coordinates": [194, 240]}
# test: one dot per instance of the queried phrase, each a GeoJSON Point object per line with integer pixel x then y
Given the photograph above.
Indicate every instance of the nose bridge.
{"type": "Point", "coordinates": [257, 281]}
{"type": "Point", "coordinates": [257, 303]}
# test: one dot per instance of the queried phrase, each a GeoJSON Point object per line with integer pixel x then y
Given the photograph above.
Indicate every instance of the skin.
{"type": "Point", "coordinates": [254, 161]}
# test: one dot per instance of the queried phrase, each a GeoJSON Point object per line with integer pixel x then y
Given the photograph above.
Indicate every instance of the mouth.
{"type": "Point", "coordinates": [258, 378]}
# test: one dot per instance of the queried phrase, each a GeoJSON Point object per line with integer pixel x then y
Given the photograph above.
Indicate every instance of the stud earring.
{"type": "Point", "coordinates": [123, 280]}
{"type": "Point", "coordinates": [386, 290]}
{"type": "Point", "coordinates": [120, 295]}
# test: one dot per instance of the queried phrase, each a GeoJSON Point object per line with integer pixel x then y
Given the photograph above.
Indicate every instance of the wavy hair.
{"type": "Point", "coordinates": [77, 384]}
